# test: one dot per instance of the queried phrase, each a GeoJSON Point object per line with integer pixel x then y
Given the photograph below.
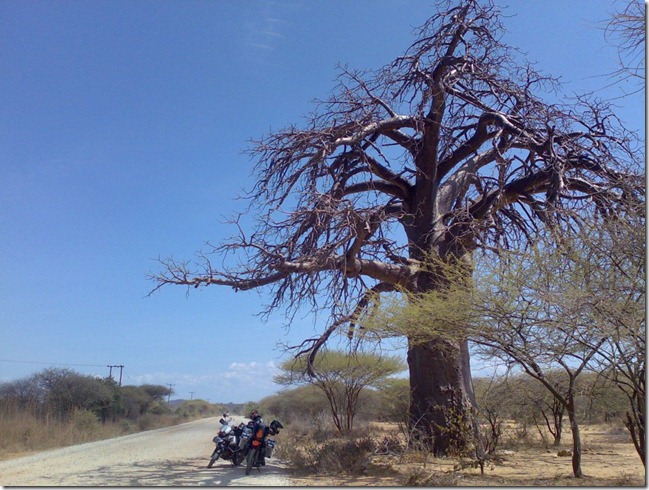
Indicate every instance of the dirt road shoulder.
{"type": "Point", "coordinates": [173, 456]}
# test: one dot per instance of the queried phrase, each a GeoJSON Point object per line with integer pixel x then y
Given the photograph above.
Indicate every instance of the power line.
{"type": "Point", "coordinates": [52, 363]}
{"type": "Point", "coordinates": [110, 375]}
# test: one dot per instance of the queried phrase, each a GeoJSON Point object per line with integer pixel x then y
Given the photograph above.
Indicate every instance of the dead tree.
{"type": "Point", "coordinates": [451, 144]}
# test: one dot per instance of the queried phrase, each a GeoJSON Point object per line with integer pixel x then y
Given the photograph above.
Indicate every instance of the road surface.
{"type": "Point", "coordinates": [173, 456]}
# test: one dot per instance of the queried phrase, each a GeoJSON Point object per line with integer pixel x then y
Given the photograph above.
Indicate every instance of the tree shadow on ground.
{"type": "Point", "coordinates": [188, 472]}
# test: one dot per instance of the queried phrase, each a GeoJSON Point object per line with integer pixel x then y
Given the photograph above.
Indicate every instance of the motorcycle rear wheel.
{"type": "Point", "coordinates": [238, 458]}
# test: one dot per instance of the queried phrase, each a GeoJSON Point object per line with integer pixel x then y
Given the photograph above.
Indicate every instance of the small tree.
{"type": "Point", "coordinates": [157, 392]}
{"type": "Point", "coordinates": [135, 401]}
{"type": "Point", "coordinates": [613, 250]}
{"type": "Point", "coordinates": [539, 405]}
{"type": "Point", "coordinates": [530, 310]}
{"type": "Point", "coordinates": [67, 391]}
{"type": "Point", "coordinates": [341, 377]}
{"type": "Point", "coordinates": [494, 399]}
{"type": "Point", "coordinates": [533, 310]}
{"type": "Point", "coordinates": [575, 303]}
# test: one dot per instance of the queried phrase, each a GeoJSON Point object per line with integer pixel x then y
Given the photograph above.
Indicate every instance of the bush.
{"type": "Point", "coordinates": [420, 478]}
{"type": "Point", "coordinates": [128, 427]}
{"type": "Point", "coordinates": [345, 456]}
{"type": "Point", "coordinates": [336, 455]}
{"type": "Point", "coordinates": [85, 421]}
{"type": "Point", "coordinates": [194, 409]}
{"type": "Point", "coordinates": [147, 422]}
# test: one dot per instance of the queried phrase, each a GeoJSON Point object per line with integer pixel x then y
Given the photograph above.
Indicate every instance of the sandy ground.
{"type": "Point", "coordinates": [609, 460]}
{"type": "Point", "coordinates": [174, 456]}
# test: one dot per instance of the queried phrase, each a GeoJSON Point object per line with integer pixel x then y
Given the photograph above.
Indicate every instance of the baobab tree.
{"type": "Point", "coordinates": [627, 30]}
{"type": "Point", "coordinates": [444, 150]}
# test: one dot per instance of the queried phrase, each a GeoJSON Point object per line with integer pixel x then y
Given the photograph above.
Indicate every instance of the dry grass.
{"type": "Point", "coordinates": [609, 459]}
{"type": "Point", "coordinates": [26, 433]}
{"type": "Point", "coordinates": [22, 432]}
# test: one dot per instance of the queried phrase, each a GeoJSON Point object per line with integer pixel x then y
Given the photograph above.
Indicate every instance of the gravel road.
{"type": "Point", "coordinates": [174, 456]}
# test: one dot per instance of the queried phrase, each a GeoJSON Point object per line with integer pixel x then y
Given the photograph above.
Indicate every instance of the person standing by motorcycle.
{"type": "Point", "coordinates": [257, 441]}
{"type": "Point", "coordinates": [254, 417]}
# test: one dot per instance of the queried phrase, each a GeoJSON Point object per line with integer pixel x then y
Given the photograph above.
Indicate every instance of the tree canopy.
{"type": "Point", "coordinates": [451, 141]}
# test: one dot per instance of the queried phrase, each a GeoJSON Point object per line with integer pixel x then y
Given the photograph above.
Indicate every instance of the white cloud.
{"type": "Point", "coordinates": [265, 27]}
{"type": "Point", "coordinates": [241, 381]}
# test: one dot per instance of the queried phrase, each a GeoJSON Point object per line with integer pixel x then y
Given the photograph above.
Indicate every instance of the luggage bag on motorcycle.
{"type": "Point", "coordinates": [244, 437]}
{"type": "Point", "coordinates": [270, 445]}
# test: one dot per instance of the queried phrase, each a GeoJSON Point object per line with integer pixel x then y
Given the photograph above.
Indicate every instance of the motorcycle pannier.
{"type": "Point", "coordinates": [270, 445]}
{"type": "Point", "coordinates": [244, 437]}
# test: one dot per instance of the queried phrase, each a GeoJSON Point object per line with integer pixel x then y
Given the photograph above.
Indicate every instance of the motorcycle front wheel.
{"type": "Point", "coordinates": [250, 459]}
{"type": "Point", "coordinates": [215, 456]}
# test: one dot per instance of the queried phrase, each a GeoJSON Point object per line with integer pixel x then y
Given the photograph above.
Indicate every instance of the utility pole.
{"type": "Point", "coordinates": [191, 395]}
{"type": "Point", "coordinates": [120, 374]}
{"type": "Point", "coordinates": [169, 395]}
{"type": "Point", "coordinates": [110, 373]}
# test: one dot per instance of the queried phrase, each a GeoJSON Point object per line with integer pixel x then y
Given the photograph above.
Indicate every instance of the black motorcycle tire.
{"type": "Point", "coordinates": [215, 455]}
{"type": "Point", "coordinates": [250, 459]}
{"type": "Point", "coordinates": [238, 458]}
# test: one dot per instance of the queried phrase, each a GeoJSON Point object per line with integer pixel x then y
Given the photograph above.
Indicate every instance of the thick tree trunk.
{"type": "Point", "coordinates": [441, 391]}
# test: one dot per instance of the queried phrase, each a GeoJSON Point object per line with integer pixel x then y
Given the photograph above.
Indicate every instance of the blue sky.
{"type": "Point", "coordinates": [121, 136]}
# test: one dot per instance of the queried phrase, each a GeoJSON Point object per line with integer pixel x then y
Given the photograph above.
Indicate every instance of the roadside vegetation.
{"type": "Point", "coordinates": [518, 420]}
{"type": "Point", "coordinates": [60, 407]}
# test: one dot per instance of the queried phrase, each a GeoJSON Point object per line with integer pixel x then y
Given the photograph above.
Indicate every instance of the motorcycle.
{"type": "Point", "coordinates": [257, 447]}
{"type": "Point", "coordinates": [228, 444]}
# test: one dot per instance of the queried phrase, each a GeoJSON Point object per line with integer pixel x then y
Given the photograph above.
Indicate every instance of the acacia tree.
{"type": "Point", "coordinates": [449, 143]}
{"type": "Point", "coordinates": [533, 310]}
{"type": "Point", "coordinates": [577, 303]}
{"type": "Point", "coordinates": [342, 378]}
{"type": "Point", "coordinates": [615, 250]}
{"type": "Point", "coordinates": [544, 404]}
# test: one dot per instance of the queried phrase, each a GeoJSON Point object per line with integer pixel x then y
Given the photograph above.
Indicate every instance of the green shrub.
{"type": "Point", "coordinates": [85, 421]}
{"type": "Point", "coordinates": [128, 426]}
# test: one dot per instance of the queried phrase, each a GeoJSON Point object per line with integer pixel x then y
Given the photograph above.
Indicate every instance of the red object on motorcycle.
{"type": "Point", "coordinates": [258, 437]}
